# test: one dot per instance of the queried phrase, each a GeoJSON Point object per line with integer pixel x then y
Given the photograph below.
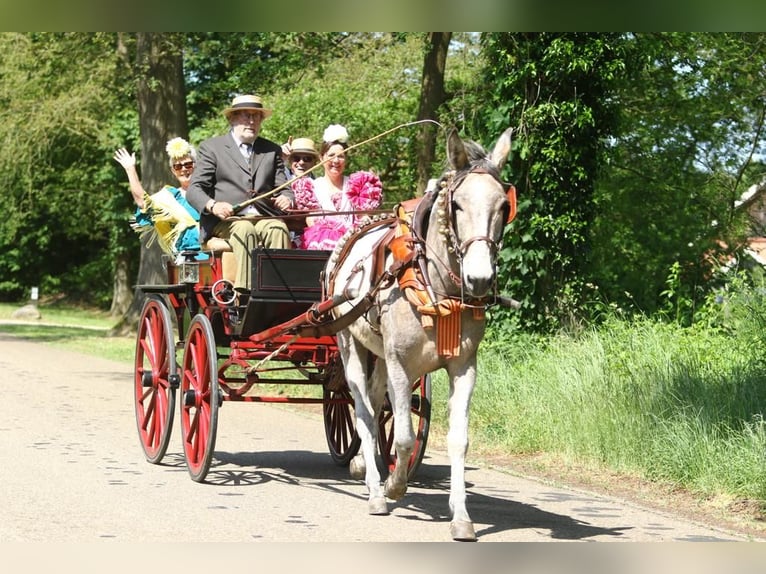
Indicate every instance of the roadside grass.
{"type": "Point", "coordinates": [679, 406]}
{"type": "Point", "coordinates": [672, 405]}
{"type": "Point", "coordinates": [75, 329]}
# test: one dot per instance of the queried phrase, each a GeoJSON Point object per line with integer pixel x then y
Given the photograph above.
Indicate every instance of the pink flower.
{"type": "Point", "coordinates": [365, 191]}
{"type": "Point", "coordinates": [303, 189]}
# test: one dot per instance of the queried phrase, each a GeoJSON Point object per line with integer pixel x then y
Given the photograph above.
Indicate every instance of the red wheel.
{"type": "Point", "coordinates": [200, 397]}
{"type": "Point", "coordinates": [421, 411]}
{"type": "Point", "coordinates": [339, 419]}
{"type": "Point", "coordinates": [156, 379]}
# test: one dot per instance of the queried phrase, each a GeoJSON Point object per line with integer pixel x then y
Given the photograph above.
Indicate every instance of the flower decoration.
{"type": "Point", "coordinates": [303, 189]}
{"type": "Point", "coordinates": [335, 133]}
{"type": "Point", "coordinates": [365, 191]}
{"type": "Point", "coordinates": [178, 148]}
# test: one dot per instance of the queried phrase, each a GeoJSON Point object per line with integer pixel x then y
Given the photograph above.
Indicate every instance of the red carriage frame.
{"type": "Point", "coordinates": [232, 352]}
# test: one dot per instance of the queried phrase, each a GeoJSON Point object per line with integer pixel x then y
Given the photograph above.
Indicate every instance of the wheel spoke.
{"type": "Point", "coordinates": [199, 416]}
{"type": "Point", "coordinates": [154, 396]}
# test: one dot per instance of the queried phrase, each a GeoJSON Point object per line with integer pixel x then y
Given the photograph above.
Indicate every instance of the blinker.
{"type": "Point", "coordinates": [511, 195]}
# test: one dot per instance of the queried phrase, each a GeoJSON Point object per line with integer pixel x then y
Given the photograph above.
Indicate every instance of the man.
{"type": "Point", "coordinates": [232, 169]}
{"type": "Point", "coordinates": [299, 155]}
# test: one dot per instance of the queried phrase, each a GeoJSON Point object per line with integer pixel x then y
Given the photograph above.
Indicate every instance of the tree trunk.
{"type": "Point", "coordinates": [432, 96]}
{"type": "Point", "coordinates": [161, 99]}
{"type": "Point", "coordinates": [123, 294]}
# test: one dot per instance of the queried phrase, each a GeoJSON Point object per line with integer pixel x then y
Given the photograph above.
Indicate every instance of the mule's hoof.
{"type": "Point", "coordinates": [462, 531]}
{"type": "Point", "coordinates": [378, 506]}
{"type": "Point", "coordinates": [394, 491]}
{"type": "Point", "coordinates": [357, 468]}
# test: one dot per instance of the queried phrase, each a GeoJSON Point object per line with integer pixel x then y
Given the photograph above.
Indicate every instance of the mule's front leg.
{"type": "Point", "coordinates": [461, 390]}
{"type": "Point", "coordinates": [400, 393]}
{"type": "Point", "coordinates": [355, 359]}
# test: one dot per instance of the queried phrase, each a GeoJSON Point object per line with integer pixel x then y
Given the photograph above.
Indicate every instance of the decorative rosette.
{"type": "Point", "coordinates": [365, 191]}
{"type": "Point", "coordinates": [303, 189]}
{"type": "Point", "coordinates": [178, 148]}
{"type": "Point", "coordinates": [335, 133]}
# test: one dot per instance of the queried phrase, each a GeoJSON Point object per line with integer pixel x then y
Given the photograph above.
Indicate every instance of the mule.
{"type": "Point", "coordinates": [452, 253]}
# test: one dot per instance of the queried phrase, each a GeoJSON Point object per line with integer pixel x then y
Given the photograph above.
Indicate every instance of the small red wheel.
{"type": "Point", "coordinates": [200, 397]}
{"type": "Point", "coordinates": [421, 411]}
{"type": "Point", "coordinates": [340, 425]}
{"type": "Point", "coordinates": [156, 378]}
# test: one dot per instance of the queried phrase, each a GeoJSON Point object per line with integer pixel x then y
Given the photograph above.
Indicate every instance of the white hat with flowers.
{"type": "Point", "coordinates": [335, 133]}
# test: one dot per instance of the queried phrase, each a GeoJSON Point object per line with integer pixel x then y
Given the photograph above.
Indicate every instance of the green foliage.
{"type": "Point", "coordinates": [372, 89]}
{"type": "Point", "coordinates": [688, 145]}
{"type": "Point", "coordinates": [554, 88]}
{"type": "Point", "coordinates": [55, 106]}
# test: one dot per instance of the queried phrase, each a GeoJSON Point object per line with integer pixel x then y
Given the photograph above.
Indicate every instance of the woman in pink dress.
{"type": "Point", "coordinates": [335, 192]}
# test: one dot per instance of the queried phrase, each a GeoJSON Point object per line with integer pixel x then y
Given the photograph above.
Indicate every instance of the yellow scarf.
{"type": "Point", "coordinates": [169, 219]}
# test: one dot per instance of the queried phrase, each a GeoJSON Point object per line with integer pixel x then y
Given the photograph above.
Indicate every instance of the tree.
{"type": "Point", "coordinates": [432, 95]}
{"type": "Point", "coordinates": [157, 63]}
{"type": "Point", "coordinates": [58, 104]}
{"type": "Point", "coordinates": [688, 145]}
{"type": "Point", "coordinates": [556, 90]}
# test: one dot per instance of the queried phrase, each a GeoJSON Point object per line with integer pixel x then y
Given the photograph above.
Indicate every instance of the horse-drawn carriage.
{"type": "Point", "coordinates": [279, 339]}
{"type": "Point", "coordinates": [403, 294]}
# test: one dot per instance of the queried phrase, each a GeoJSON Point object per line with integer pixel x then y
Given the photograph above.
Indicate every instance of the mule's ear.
{"type": "Point", "coordinates": [456, 154]}
{"type": "Point", "coordinates": [502, 149]}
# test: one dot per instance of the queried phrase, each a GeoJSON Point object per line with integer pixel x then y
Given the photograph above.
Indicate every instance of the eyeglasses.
{"type": "Point", "coordinates": [249, 116]}
{"type": "Point", "coordinates": [185, 165]}
{"type": "Point", "coordinates": [303, 158]}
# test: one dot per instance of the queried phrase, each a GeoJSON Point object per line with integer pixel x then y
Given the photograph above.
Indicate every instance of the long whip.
{"type": "Point", "coordinates": [241, 206]}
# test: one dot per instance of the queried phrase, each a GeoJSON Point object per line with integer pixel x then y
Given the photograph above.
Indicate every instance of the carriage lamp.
{"type": "Point", "coordinates": [189, 272]}
{"type": "Point", "coordinates": [189, 269]}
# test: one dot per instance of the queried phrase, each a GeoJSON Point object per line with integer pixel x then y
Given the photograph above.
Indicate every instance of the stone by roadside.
{"type": "Point", "coordinates": [27, 312]}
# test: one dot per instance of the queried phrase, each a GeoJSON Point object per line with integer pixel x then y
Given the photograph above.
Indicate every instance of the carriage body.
{"type": "Point", "coordinates": [200, 345]}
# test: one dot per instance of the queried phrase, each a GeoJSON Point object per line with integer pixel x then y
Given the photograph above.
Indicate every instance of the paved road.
{"type": "Point", "coordinates": [73, 471]}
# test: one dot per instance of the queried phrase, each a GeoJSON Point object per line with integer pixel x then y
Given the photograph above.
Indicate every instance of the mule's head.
{"type": "Point", "coordinates": [475, 210]}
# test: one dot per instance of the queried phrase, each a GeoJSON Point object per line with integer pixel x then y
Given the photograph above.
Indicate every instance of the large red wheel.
{"type": "Point", "coordinates": [421, 413]}
{"type": "Point", "coordinates": [200, 397]}
{"type": "Point", "coordinates": [156, 379]}
{"type": "Point", "coordinates": [340, 425]}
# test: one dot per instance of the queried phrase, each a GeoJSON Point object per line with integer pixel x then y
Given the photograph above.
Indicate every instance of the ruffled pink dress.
{"type": "Point", "coordinates": [362, 190]}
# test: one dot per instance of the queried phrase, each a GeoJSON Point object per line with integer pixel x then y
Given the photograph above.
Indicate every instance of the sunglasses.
{"type": "Point", "coordinates": [184, 165]}
{"type": "Point", "coordinates": [303, 158]}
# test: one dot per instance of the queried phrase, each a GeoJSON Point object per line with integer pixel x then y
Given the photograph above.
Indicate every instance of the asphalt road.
{"type": "Point", "coordinates": [73, 471]}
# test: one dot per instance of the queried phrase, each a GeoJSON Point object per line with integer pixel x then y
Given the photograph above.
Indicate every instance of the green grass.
{"type": "Point", "coordinates": [81, 330]}
{"type": "Point", "coordinates": [680, 406]}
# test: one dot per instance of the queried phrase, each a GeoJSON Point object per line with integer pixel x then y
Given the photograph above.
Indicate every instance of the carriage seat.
{"type": "Point", "coordinates": [220, 247]}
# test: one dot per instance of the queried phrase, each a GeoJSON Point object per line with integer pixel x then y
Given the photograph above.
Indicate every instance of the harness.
{"type": "Point", "coordinates": [405, 241]}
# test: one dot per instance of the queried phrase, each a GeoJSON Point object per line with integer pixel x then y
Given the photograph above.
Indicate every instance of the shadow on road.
{"type": "Point", "coordinates": [426, 500]}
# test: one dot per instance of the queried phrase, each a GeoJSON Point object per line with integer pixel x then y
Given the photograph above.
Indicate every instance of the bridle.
{"type": "Point", "coordinates": [446, 217]}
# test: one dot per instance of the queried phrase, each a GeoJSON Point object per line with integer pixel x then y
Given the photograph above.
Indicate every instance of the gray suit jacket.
{"type": "Point", "coordinates": [222, 173]}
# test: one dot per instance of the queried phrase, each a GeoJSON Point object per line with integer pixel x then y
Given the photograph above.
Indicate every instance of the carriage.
{"type": "Point", "coordinates": [403, 294]}
{"type": "Point", "coordinates": [270, 349]}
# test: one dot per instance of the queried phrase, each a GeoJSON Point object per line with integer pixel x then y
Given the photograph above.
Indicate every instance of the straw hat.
{"type": "Point", "coordinates": [304, 145]}
{"type": "Point", "coordinates": [247, 102]}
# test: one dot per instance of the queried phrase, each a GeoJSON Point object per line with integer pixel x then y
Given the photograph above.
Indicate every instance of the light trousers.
{"type": "Point", "coordinates": [244, 235]}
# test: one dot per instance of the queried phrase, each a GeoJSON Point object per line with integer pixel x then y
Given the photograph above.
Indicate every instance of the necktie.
{"type": "Point", "coordinates": [247, 150]}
